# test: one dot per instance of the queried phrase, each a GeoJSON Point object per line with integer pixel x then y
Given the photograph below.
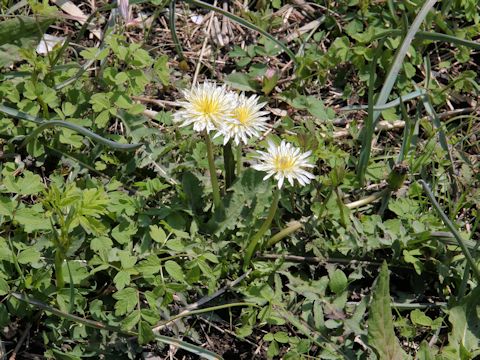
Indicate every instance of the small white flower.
{"type": "Point", "coordinates": [206, 106]}
{"type": "Point", "coordinates": [248, 120]}
{"type": "Point", "coordinates": [285, 161]}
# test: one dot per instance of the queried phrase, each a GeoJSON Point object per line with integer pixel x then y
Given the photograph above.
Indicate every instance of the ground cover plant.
{"type": "Point", "coordinates": [239, 180]}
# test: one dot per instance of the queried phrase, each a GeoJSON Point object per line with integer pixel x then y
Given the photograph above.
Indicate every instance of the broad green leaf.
{"type": "Point", "coordinates": [28, 184]}
{"type": "Point", "coordinates": [127, 299]}
{"type": "Point", "coordinates": [281, 337]}
{"type": "Point", "coordinates": [4, 288]}
{"type": "Point", "coordinates": [193, 188]}
{"type": "Point", "coordinates": [162, 70]}
{"type": "Point", "coordinates": [5, 252]}
{"type": "Point", "coordinates": [6, 206]}
{"type": "Point", "coordinates": [174, 270]}
{"type": "Point", "coordinates": [28, 256]}
{"type": "Point", "coordinates": [425, 352]}
{"type": "Point", "coordinates": [4, 315]}
{"type": "Point", "coordinates": [381, 335]}
{"type": "Point", "coordinates": [418, 317]}
{"type": "Point", "coordinates": [409, 257]}
{"type": "Point", "coordinates": [465, 322]}
{"type": "Point", "coordinates": [242, 82]}
{"type": "Point", "coordinates": [32, 218]}
{"type": "Point", "coordinates": [122, 279]}
{"type": "Point", "coordinates": [175, 245]}
{"type": "Point", "coordinates": [338, 281]}
{"type": "Point", "coordinates": [149, 266]}
{"type": "Point", "coordinates": [78, 272]}
{"type": "Point", "coordinates": [101, 244]}
{"type": "Point", "coordinates": [124, 231]}
{"type": "Point", "coordinates": [131, 320]}
{"type": "Point", "coordinates": [126, 259]}
{"type": "Point", "coordinates": [249, 199]}
{"type": "Point", "coordinates": [158, 234]}
{"type": "Point", "coordinates": [273, 349]}
{"type": "Point", "coordinates": [151, 316]}
{"type": "Point", "coordinates": [145, 333]}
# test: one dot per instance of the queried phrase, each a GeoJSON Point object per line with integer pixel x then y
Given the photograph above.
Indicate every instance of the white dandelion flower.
{"type": "Point", "coordinates": [285, 162]}
{"type": "Point", "coordinates": [248, 120]}
{"type": "Point", "coordinates": [206, 106]}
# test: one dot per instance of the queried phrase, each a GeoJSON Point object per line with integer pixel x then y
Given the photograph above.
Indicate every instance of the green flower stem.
{"type": "Point", "coordinates": [239, 160]}
{"type": "Point", "coordinates": [59, 270]}
{"type": "Point", "coordinates": [367, 200]}
{"type": "Point", "coordinates": [213, 172]}
{"type": "Point", "coordinates": [204, 310]}
{"type": "Point", "coordinates": [229, 164]}
{"type": "Point", "coordinates": [290, 229]}
{"type": "Point", "coordinates": [266, 224]}
{"type": "Point", "coordinates": [452, 228]}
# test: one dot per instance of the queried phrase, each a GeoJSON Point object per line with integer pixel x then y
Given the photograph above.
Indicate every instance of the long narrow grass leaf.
{"type": "Point", "coordinates": [438, 125]}
{"type": "Point", "coordinates": [80, 71]}
{"type": "Point", "coordinates": [387, 87]}
{"type": "Point", "coordinates": [431, 36]}
{"type": "Point", "coordinates": [20, 114]}
{"type": "Point", "coordinates": [406, 134]}
{"type": "Point", "coordinates": [197, 350]}
{"type": "Point", "coordinates": [316, 338]}
{"type": "Point", "coordinates": [391, 104]}
{"type": "Point", "coordinates": [80, 130]}
{"type": "Point", "coordinates": [452, 228]}
{"type": "Point", "coordinates": [99, 325]}
{"type": "Point", "coordinates": [173, 29]}
{"type": "Point", "coordinates": [400, 55]}
{"type": "Point", "coordinates": [45, 124]}
{"type": "Point", "coordinates": [369, 127]}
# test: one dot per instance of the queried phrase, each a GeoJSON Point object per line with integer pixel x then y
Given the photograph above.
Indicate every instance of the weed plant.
{"type": "Point", "coordinates": [239, 180]}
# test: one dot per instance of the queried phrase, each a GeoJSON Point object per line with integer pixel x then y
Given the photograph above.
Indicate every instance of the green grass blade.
{"type": "Point", "coordinates": [197, 350]}
{"type": "Point", "coordinates": [391, 8]}
{"type": "Point", "coordinates": [44, 124]}
{"type": "Point", "coordinates": [393, 103]}
{"type": "Point", "coordinates": [453, 229]}
{"type": "Point", "coordinates": [316, 337]}
{"type": "Point", "coordinates": [98, 325]}
{"type": "Point", "coordinates": [202, 311]}
{"type": "Point", "coordinates": [80, 130]}
{"type": "Point", "coordinates": [80, 71]}
{"type": "Point", "coordinates": [369, 128]}
{"type": "Point", "coordinates": [228, 164]}
{"type": "Point", "coordinates": [20, 114]}
{"type": "Point", "coordinates": [435, 36]}
{"type": "Point", "coordinates": [406, 134]}
{"type": "Point", "coordinates": [438, 125]}
{"type": "Point", "coordinates": [431, 36]}
{"type": "Point", "coordinates": [173, 29]}
{"type": "Point", "coordinates": [246, 24]}
{"type": "Point", "coordinates": [71, 288]}
{"type": "Point", "coordinates": [387, 87]}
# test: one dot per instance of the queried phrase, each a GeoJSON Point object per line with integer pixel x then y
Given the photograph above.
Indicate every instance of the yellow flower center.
{"type": "Point", "coordinates": [283, 163]}
{"type": "Point", "coordinates": [207, 106]}
{"type": "Point", "coordinates": [242, 114]}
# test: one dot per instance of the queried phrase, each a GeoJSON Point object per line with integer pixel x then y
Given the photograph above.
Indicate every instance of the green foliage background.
{"type": "Point", "coordinates": [134, 225]}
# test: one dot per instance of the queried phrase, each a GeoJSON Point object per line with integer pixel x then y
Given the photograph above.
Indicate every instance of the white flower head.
{"type": "Point", "coordinates": [285, 161]}
{"type": "Point", "coordinates": [206, 106]}
{"type": "Point", "coordinates": [248, 120]}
